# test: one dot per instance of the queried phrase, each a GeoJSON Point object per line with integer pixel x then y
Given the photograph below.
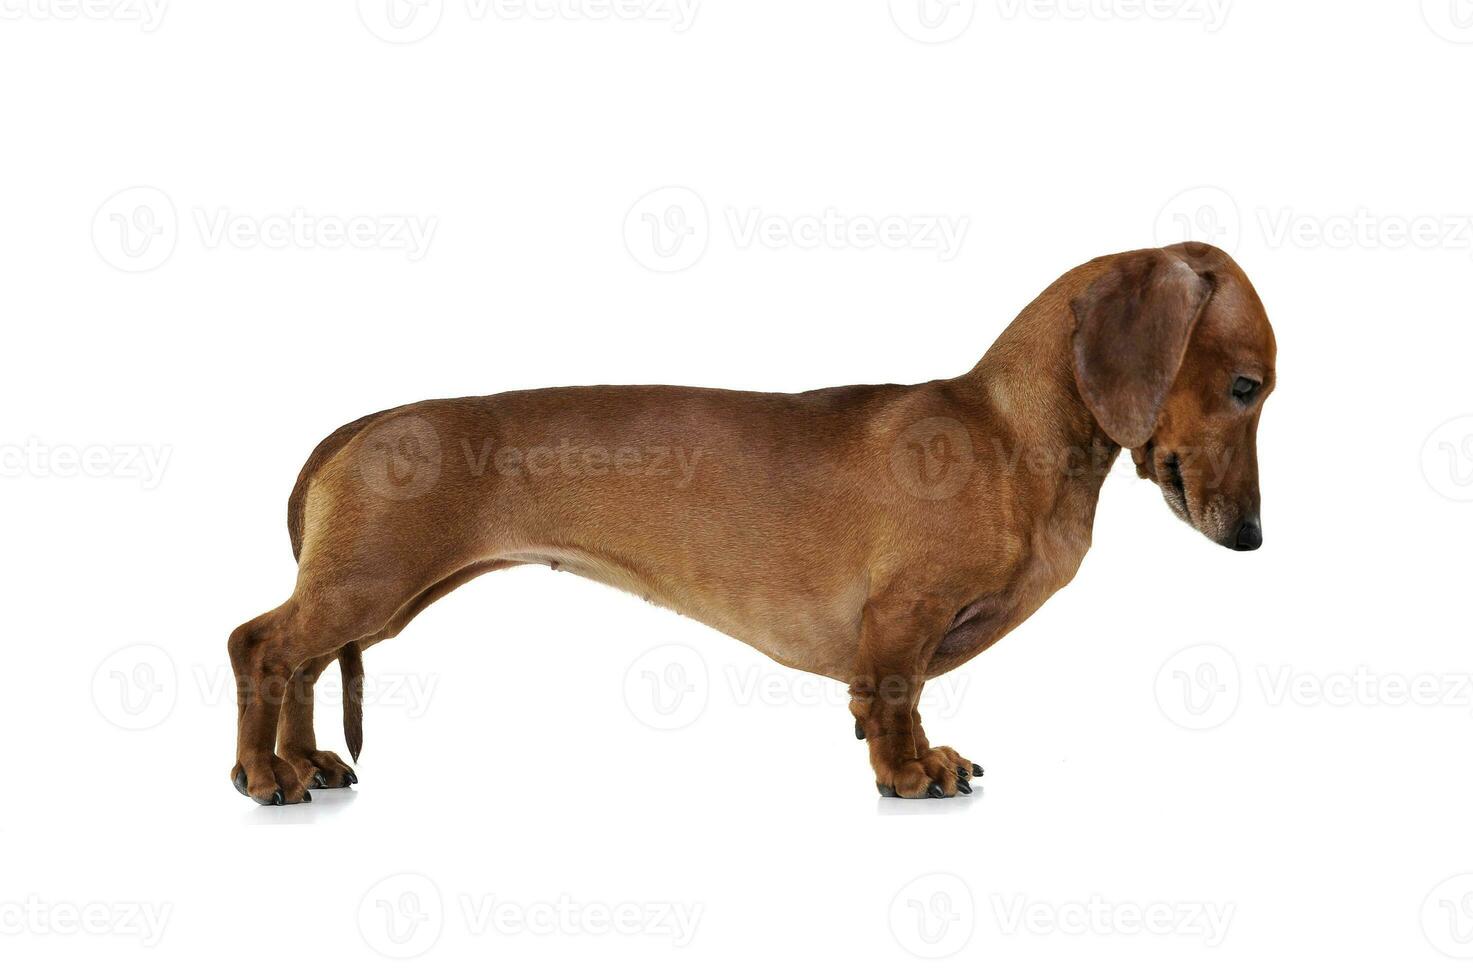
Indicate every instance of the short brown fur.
{"type": "Point", "coordinates": [878, 535]}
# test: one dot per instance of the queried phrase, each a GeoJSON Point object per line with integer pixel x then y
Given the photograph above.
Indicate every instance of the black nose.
{"type": "Point", "coordinates": [1250, 536]}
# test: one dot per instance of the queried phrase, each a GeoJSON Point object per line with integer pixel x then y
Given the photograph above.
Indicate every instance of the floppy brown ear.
{"type": "Point", "coordinates": [1131, 330]}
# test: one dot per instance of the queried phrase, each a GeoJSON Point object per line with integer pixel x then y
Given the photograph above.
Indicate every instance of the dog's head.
{"type": "Point", "coordinates": [1174, 356]}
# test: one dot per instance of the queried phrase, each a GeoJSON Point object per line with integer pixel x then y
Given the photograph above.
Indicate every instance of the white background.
{"type": "Point", "coordinates": [512, 758]}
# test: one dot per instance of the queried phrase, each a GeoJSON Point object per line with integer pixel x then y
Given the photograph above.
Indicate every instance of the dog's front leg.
{"type": "Point", "coordinates": [965, 768]}
{"type": "Point", "coordinates": [896, 639]}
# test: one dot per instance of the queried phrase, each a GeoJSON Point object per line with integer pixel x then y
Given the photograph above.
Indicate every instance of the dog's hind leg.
{"type": "Point", "coordinates": [279, 656]}
{"type": "Point", "coordinates": [266, 652]}
{"type": "Point", "coordinates": [372, 550]}
{"type": "Point", "coordinates": [260, 656]}
{"type": "Point", "coordinates": [296, 742]}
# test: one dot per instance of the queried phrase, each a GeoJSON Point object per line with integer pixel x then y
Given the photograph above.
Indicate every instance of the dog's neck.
{"type": "Point", "coordinates": [1026, 383]}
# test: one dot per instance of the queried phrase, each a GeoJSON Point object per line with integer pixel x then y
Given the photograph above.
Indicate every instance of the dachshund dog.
{"type": "Point", "coordinates": [880, 535]}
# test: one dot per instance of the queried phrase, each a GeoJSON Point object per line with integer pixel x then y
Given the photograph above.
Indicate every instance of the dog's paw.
{"type": "Point", "coordinates": [913, 781]}
{"type": "Point", "coordinates": [274, 783]}
{"type": "Point", "coordinates": [965, 769]}
{"type": "Point", "coordinates": [938, 773]}
{"type": "Point", "coordinates": [322, 770]}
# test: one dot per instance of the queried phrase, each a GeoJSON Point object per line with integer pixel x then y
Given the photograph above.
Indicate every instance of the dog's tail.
{"type": "Point", "coordinates": [350, 662]}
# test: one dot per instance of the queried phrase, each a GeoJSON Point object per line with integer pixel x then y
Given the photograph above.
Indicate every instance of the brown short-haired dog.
{"type": "Point", "coordinates": [880, 535]}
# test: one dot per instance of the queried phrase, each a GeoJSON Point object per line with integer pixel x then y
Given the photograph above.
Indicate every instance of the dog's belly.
{"type": "Point", "coordinates": [820, 637]}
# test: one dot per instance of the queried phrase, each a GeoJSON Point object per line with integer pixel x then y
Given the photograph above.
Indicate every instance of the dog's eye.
{"type": "Point", "coordinates": [1244, 389]}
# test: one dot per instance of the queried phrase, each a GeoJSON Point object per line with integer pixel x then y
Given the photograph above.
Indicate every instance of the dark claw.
{"type": "Point", "coordinates": [350, 778]}
{"type": "Point", "coordinates": [886, 791]}
{"type": "Point", "coordinates": [961, 772]}
{"type": "Point", "coordinates": [278, 799]}
{"type": "Point", "coordinates": [317, 781]}
{"type": "Point", "coordinates": [858, 730]}
{"type": "Point", "coordinates": [240, 782]}
{"type": "Point", "coordinates": [935, 791]}
{"type": "Point", "coordinates": [976, 769]}
{"type": "Point", "coordinates": [964, 787]}
{"type": "Point", "coordinates": [306, 797]}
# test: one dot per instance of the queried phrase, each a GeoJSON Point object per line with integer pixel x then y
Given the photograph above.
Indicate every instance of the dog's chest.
{"type": "Point", "coordinates": [1048, 560]}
